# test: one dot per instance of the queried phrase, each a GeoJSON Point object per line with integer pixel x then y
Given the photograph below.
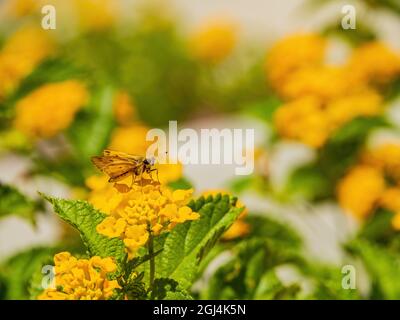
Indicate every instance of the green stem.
{"type": "Point", "coordinates": [152, 264]}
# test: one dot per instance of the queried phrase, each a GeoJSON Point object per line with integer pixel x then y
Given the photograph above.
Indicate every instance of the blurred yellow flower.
{"type": "Point", "coordinates": [50, 108]}
{"type": "Point", "coordinates": [124, 109]}
{"type": "Point", "coordinates": [311, 121]}
{"type": "Point", "coordinates": [134, 215]}
{"type": "Point", "coordinates": [214, 40]}
{"type": "Point", "coordinates": [324, 82]}
{"type": "Point", "coordinates": [387, 158]}
{"type": "Point", "coordinates": [96, 14]}
{"type": "Point", "coordinates": [366, 103]}
{"type": "Point", "coordinates": [390, 199]}
{"type": "Point", "coordinates": [291, 54]}
{"type": "Point", "coordinates": [22, 52]}
{"type": "Point", "coordinates": [169, 172]}
{"type": "Point", "coordinates": [396, 221]}
{"type": "Point", "coordinates": [374, 62]}
{"type": "Point", "coordinates": [360, 190]}
{"type": "Point", "coordinates": [81, 279]}
{"type": "Point", "coordinates": [130, 139]}
{"type": "Point", "coordinates": [239, 228]}
{"type": "Point", "coordinates": [303, 119]}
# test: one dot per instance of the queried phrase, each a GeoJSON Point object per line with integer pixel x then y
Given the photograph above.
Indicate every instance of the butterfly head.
{"type": "Point", "coordinates": [150, 161]}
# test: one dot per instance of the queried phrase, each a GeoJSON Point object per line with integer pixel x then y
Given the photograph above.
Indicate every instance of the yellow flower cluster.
{"type": "Point", "coordinates": [81, 279]}
{"type": "Point", "coordinates": [321, 98]}
{"type": "Point", "coordinates": [23, 51]}
{"type": "Point", "coordinates": [385, 157]}
{"type": "Point", "coordinates": [375, 182]}
{"type": "Point", "coordinates": [50, 108]}
{"type": "Point", "coordinates": [291, 54]}
{"type": "Point", "coordinates": [310, 121]}
{"type": "Point", "coordinates": [374, 63]}
{"type": "Point", "coordinates": [214, 40]}
{"type": "Point", "coordinates": [360, 190]}
{"type": "Point", "coordinates": [133, 215]}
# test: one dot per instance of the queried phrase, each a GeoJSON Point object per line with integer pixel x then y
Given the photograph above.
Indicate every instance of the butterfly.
{"type": "Point", "coordinates": [119, 165]}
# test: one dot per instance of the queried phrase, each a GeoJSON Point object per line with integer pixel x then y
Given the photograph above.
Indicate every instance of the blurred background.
{"type": "Point", "coordinates": [324, 103]}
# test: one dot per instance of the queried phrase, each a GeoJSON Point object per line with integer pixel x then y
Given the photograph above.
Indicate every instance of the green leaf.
{"type": "Point", "coordinates": [327, 283]}
{"type": "Point", "coordinates": [181, 183]}
{"type": "Point", "coordinates": [378, 228]}
{"type": "Point", "coordinates": [17, 271]}
{"type": "Point", "coordinates": [187, 244]}
{"type": "Point", "coordinates": [91, 129]}
{"type": "Point", "coordinates": [266, 227]}
{"type": "Point", "coordinates": [357, 129]}
{"type": "Point", "coordinates": [85, 218]}
{"type": "Point", "coordinates": [14, 202]}
{"type": "Point", "coordinates": [382, 266]}
{"type": "Point", "coordinates": [264, 109]}
{"type": "Point", "coordinates": [241, 276]}
{"type": "Point", "coordinates": [168, 289]}
{"type": "Point", "coordinates": [270, 287]}
{"type": "Point", "coordinates": [307, 182]}
{"type": "Point", "coordinates": [239, 185]}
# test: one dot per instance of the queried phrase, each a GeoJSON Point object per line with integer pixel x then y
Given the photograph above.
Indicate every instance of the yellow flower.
{"type": "Point", "coordinates": [364, 103]}
{"type": "Point", "coordinates": [390, 199]}
{"type": "Point", "coordinates": [385, 157]}
{"type": "Point", "coordinates": [50, 109]}
{"type": "Point", "coordinates": [396, 221]}
{"type": "Point", "coordinates": [310, 121]}
{"type": "Point", "coordinates": [124, 110]}
{"type": "Point", "coordinates": [135, 214]}
{"type": "Point", "coordinates": [214, 40]}
{"type": "Point", "coordinates": [169, 172]}
{"type": "Point", "coordinates": [96, 14]}
{"type": "Point", "coordinates": [136, 236]}
{"type": "Point", "coordinates": [303, 119]}
{"type": "Point", "coordinates": [23, 51]}
{"type": "Point", "coordinates": [374, 62]}
{"type": "Point", "coordinates": [291, 54]}
{"type": "Point", "coordinates": [324, 82]}
{"type": "Point", "coordinates": [130, 139]}
{"type": "Point", "coordinates": [81, 279]}
{"type": "Point", "coordinates": [360, 190]}
{"type": "Point", "coordinates": [239, 228]}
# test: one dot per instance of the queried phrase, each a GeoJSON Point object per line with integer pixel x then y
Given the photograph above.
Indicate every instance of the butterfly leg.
{"type": "Point", "coordinates": [133, 180]}
{"type": "Point", "coordinates": [156, 170]}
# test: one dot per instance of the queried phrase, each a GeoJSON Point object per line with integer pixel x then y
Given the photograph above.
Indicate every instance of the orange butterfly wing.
{"type": "Point", "coordinates": [115, 167]}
